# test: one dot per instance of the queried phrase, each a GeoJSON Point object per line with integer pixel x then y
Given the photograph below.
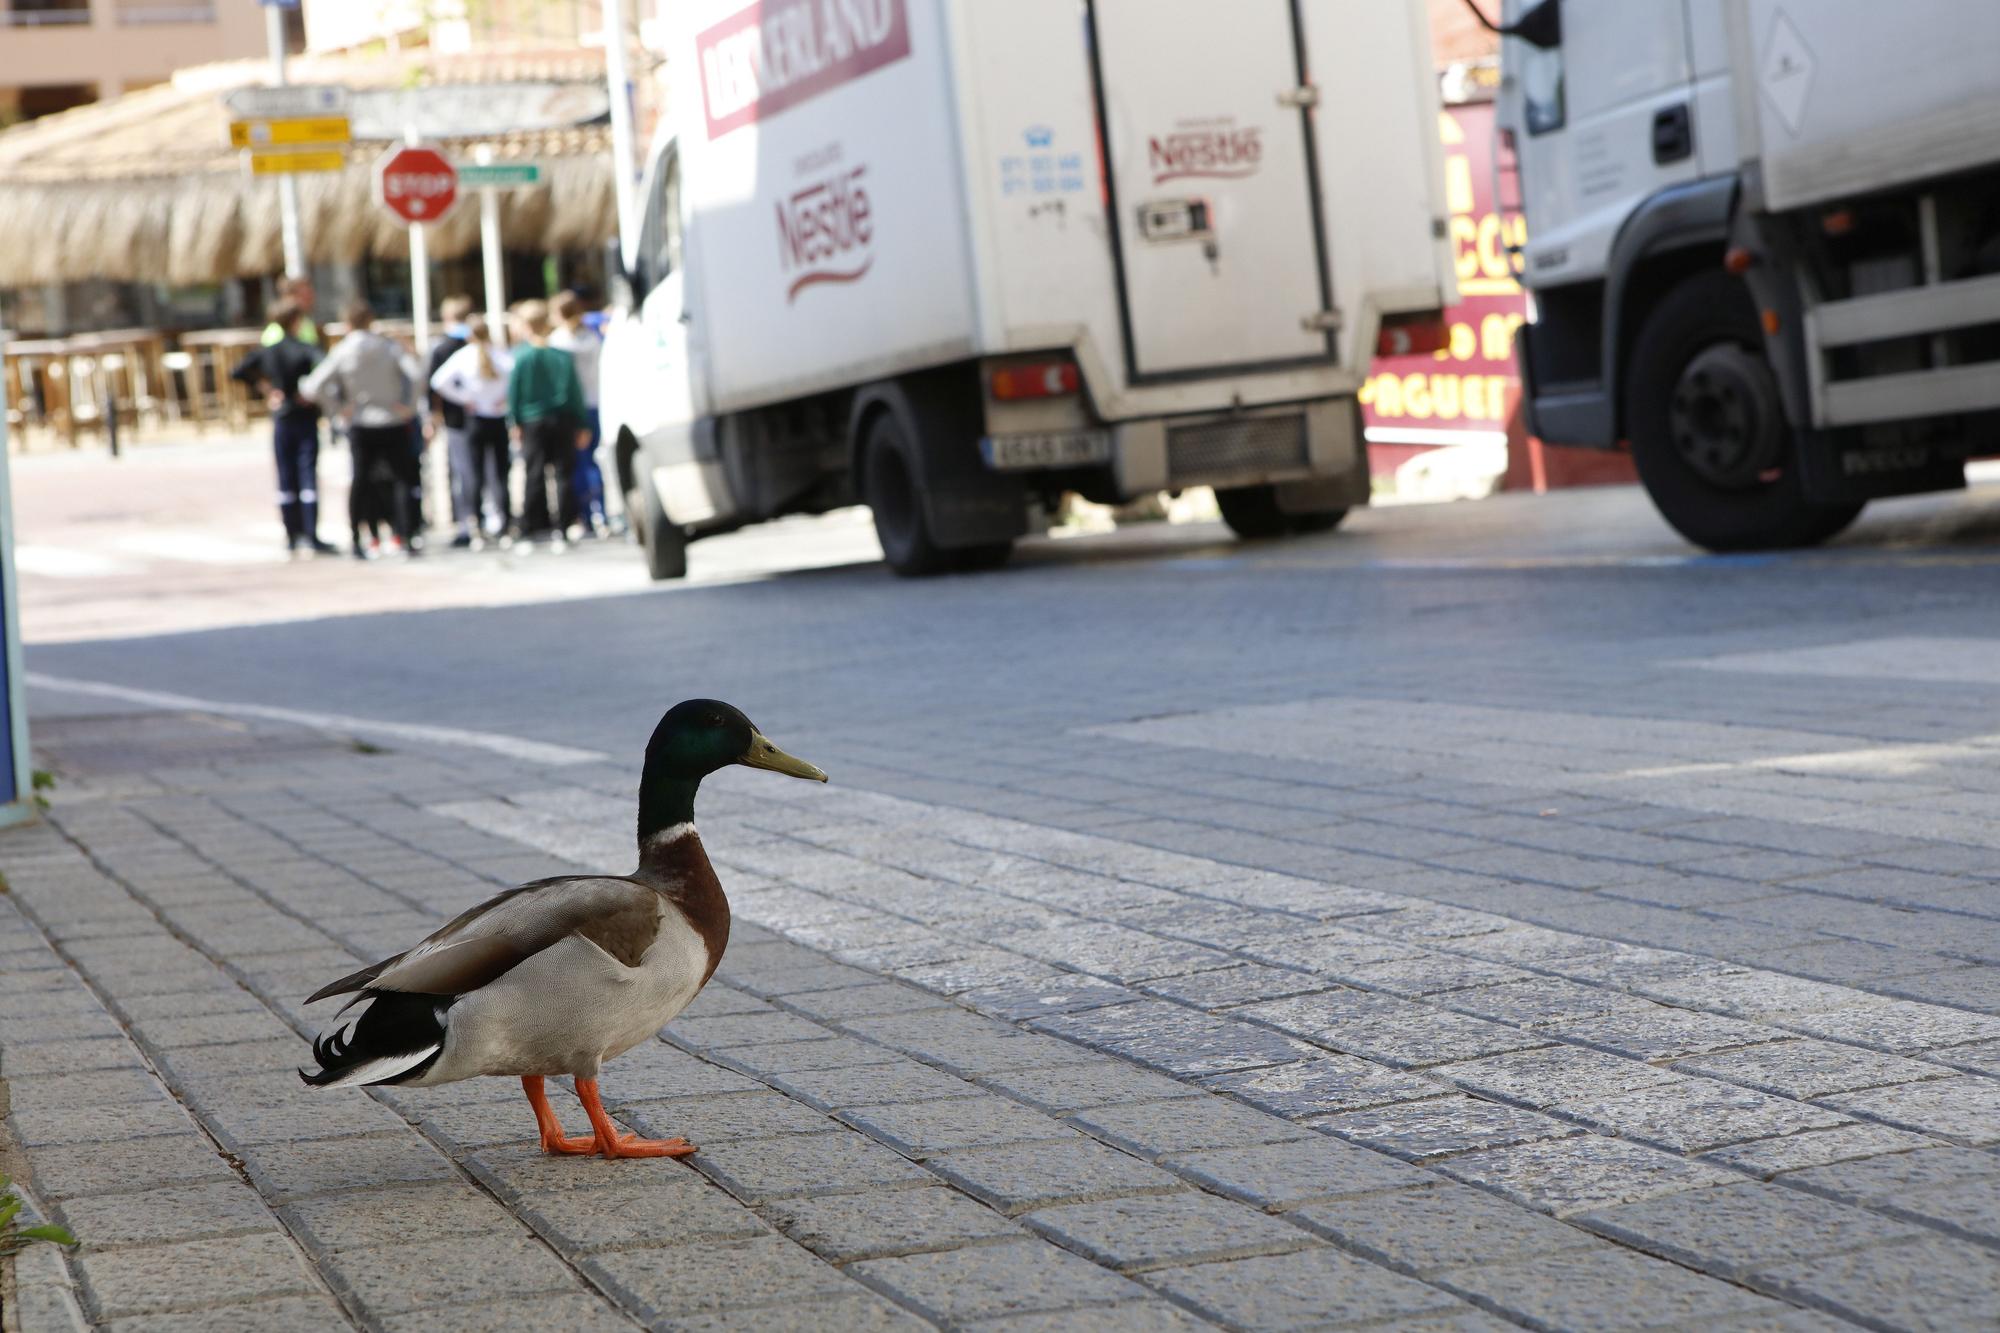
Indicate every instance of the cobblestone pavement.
{"type": "Point", "coordinates": [1543, 931]}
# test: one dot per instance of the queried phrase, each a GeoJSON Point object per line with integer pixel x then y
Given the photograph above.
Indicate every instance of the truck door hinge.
{"type": "Point", "coordinates": [1321, 321]}
{"type": "Point", "coordinates": [1299, 98]}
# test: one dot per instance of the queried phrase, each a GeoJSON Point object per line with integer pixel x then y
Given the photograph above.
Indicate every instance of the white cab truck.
{"type": "Point", "coordinates": [953, 258]}
{"type": "Point", "coordinates": [1763, 241]}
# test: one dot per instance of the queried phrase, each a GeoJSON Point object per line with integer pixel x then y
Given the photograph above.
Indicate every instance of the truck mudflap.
{"type": "Point", "coordinates": [1849, 466]}
{"type": "Point", "coordinates": [965, 503]}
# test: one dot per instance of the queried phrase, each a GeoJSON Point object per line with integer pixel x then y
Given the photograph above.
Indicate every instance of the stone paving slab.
{"type": "Point", "coordinates": [964, 1066]}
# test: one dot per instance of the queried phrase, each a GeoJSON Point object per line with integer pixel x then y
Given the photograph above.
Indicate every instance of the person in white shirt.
{"type": "Point", "coordinates": [585, 348]}
{"type": "Point", "coordinates": [475, 377]}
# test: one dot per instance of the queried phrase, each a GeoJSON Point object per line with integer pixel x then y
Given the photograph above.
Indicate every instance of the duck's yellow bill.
{"type": "Point", "coordinates": [763, 754]}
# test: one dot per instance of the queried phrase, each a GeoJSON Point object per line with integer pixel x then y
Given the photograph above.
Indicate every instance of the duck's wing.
{"type": "Point", "coordinates": [620, 916]}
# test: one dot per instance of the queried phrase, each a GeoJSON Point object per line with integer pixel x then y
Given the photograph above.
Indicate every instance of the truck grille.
{"type": "Point", "coordinates": [1231, 446]}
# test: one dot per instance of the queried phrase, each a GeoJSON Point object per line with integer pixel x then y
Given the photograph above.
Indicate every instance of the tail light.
{"type": "Point", "coordinates": [1413, 334]}
{"type": "Point", "coordinates": [1039, 379]}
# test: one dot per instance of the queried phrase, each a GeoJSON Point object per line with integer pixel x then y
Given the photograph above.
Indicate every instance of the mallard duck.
{"type": "Point", "coordinates": [560, 975]}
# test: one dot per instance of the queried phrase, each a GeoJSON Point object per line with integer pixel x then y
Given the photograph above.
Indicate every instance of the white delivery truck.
{"type": "Point", "coordinates": [1763, 241]}
{"type": "Point", "coordinates": [952, 257]}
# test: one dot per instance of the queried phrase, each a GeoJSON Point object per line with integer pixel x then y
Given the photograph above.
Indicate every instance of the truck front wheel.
{"type": "Point", "coordinates": [1708, 427]}
{"type": "Point", "coordinates": [664, 544]}
{"type": "Point", "coordinates": [1252, 512]}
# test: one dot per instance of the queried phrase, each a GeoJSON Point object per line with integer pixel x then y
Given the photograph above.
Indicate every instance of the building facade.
{"type": "Point", "coordinates": [57, 54]}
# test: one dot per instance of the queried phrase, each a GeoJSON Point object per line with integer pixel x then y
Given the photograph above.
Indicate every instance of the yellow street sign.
{"type": "Point", "coordinates": [285, 163]}
{"type": "Point", "coordinates": [283, 133]}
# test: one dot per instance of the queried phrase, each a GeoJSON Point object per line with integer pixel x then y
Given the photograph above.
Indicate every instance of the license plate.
{"type": "Point", "coordinates": [1046, 449]}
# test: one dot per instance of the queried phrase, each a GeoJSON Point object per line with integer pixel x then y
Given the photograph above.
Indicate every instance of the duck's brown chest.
{"type": "Point", "coordinates": [680, 871]}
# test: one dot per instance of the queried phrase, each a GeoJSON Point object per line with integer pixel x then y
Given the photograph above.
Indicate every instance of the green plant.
{"type": "Point", "coordinates": [13, 1236]}
{"type": "Point", "coordinates": [39, 781]}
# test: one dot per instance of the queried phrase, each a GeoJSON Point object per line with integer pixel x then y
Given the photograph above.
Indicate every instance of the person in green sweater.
{"type": "Point", "coordinates": [545, 405]}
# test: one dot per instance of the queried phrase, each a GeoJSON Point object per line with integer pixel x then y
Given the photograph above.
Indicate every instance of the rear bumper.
{"type": "Point", "coordinates": [1316, 443]}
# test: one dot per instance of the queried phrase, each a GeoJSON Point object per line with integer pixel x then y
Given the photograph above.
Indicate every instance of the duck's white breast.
{"type": "Point", "coordinates": [573, 1006]}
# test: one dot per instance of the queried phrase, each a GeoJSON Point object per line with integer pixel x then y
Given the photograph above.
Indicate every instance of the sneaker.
{"type": "Point", "coordinates": [318, 547]}
{"type": "Point", "coordinates": [361, 552]}
{"type": "Point", "coordinates": [461, 542]}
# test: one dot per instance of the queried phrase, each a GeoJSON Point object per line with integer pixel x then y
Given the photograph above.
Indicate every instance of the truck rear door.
{"type": "Point", "coordinates": [1213, 192]}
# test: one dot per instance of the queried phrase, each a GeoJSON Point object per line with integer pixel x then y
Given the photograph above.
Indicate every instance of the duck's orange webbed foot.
{"type": "Point", "coordinates": [549, 1127]}
{"type": "Point", "coordinates": [613, 1142]}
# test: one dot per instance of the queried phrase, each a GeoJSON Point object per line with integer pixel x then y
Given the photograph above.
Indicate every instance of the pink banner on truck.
{"type": "Point", "coordinates": [778, 53]}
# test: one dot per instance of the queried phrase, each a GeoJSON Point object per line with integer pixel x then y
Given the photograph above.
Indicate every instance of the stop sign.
{"type": "Point", "coordinates": [416, 184]}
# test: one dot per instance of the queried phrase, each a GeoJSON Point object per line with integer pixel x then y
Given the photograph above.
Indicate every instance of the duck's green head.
{"type": "Point", "coordinates": [694, 739]}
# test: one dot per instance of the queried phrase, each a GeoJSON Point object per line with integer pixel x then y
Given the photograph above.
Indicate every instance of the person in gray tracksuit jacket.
{"type": "Point", "coordinates": [371, 382]}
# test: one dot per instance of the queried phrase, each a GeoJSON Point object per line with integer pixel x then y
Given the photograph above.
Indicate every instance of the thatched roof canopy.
{"type": "Point", "coordinates": [145, 187]}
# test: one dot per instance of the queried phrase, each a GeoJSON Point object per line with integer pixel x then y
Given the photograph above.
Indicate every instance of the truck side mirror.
{"type": "Point", "coordinates": [1540, 27]}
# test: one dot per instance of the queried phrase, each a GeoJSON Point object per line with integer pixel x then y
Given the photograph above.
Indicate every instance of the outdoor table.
{"type": "Point", "coordinates": [37, 393]}
{"type": "Point", "coordinates": [124, 371]}
{"type": "Point", "coordinates": [223, 350]}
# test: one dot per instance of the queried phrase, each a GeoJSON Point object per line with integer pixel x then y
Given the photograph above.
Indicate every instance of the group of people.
{"type": "Point", "coordinates": [537, 392]}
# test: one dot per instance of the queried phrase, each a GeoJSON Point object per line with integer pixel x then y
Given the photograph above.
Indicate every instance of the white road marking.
{"type": "Point", "coordinates": [200, 548]}
{"type": "Point", "coordinates": [64, 562]}
{"type": "Point", "coordinates": [513, 747]}
{"type": "Point", "coordinates": [1967, 660]}
{"type": "Point", "coordinates": [1898, 761]}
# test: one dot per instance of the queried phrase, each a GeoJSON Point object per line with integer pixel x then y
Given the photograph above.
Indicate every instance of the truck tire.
{"type": "Point", "coordinates": [891, 482]}
{"type": "Point", "coordinates": [1708, 427]}
{"type": "Point", "coordinates": [978, 559]}
{"type": "Point", "coordinates": [665, 544]}
{"type": "Point", "coordinates": [1252, 513]}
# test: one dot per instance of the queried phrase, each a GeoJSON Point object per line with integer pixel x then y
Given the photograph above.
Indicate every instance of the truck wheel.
{"type": "Point", "coordinates": [890, 485]}
{"type": "Point", "coordinates": [664, 544]}
{"type": "Point", "coordinates": [1708, 427]}
{"type": "Point", "coordinates": [1252, 512]}
{"type": "Point", "coordinates": [976, 559]}
{"type": "Point", "coordinates": [1323, 520]}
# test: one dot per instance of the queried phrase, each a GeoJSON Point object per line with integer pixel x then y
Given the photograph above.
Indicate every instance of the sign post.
{"type": "Point", "coordinates": [492, 253]}
{"type": "Point", "coordinates": [419, 186]}
{"type": "Point", "coordinates": [17, 794]}
{"type": "Point", "coordinates": [288, 189]}
{"type": "Point", "coordinates": [490, 178]}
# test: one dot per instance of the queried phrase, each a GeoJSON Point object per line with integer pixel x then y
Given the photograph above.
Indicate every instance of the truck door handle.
{"type": "Point", "coordinates": [1673, 134]}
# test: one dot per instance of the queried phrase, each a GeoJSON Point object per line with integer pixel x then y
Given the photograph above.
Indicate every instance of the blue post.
{"type": "Point", "coordinates": [16, 785]}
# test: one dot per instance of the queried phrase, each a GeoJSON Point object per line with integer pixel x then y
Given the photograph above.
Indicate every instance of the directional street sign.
{"type": "Point", "coordinates": [280, 133]}
{"type": "Point", "coordinates": [288, 162]}
{"type": "Point", "coordinates": [415, 183]}
{"type": "Point", "coordinates": [499, 175]}
{"type": "Point", "coordinates": [295, 101]}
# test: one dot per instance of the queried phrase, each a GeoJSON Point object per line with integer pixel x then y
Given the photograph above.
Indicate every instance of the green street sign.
{"type": "Point", "coordinates": [499, 175]}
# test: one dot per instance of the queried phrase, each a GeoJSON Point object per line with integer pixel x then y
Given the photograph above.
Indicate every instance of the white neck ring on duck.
{"type": "Point", "coordinates": [669, 835]}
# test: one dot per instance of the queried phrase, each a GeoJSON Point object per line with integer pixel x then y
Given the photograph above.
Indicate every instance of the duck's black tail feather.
{"type": "Point", "coordinates": [395, 1038]}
